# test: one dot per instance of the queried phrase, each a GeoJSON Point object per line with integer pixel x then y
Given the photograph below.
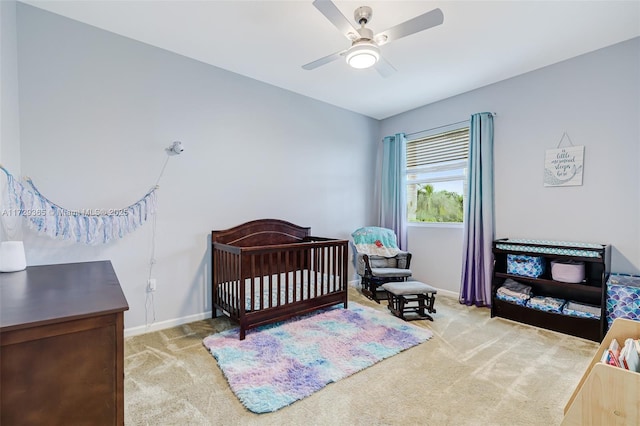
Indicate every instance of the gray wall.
{"type": "Point", "coordinates": [9, 119]}
{"type": "Point", "coordinates": [10, 226]}
{"type": "Point", "coordinates": [595, 98]}
{"type": "Point", "coordinates": [9, 115]}
{"type": "Point", "coordinates": [97, 111]}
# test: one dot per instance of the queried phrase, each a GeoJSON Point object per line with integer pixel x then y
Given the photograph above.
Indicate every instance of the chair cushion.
{"type": "Point", "coordinates": [390, 272]}
{"type": "Point", "coordinates": [408, 287]}
{"type": "Point", "coordinates": [383, 262]}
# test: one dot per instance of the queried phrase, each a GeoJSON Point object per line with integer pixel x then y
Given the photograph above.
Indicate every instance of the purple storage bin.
{"type": "Point", "coordinates": [567, 271]}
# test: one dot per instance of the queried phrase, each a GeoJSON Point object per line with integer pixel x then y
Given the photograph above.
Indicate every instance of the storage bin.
{"type": "Point", "coordinates": [525, 266]}
{"type": "Point", "coordinates": [568, 271]}
{"type": "Point", "coordinates": [546, 304]}
{"type": "Point", "coordinates": [582, 310]}
{"type": "Point", "coordinates": [623, 297]}
{"type": "Point", "coordinates": [511, 299]}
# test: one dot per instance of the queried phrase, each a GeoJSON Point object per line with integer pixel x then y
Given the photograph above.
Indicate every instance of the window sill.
{"type": "Point", "coordinates": [435, 225]}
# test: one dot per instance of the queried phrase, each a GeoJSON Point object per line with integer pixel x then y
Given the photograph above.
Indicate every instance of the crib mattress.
{"type": "Point", "coordinates": [301, 286]}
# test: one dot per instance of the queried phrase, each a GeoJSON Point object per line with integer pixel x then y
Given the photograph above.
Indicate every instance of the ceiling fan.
{"type": "Point", "coordinates": [364, 51]}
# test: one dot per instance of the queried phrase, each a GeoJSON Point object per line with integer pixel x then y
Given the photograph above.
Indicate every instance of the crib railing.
{"type": "Point", "coordinates": [254, 279]}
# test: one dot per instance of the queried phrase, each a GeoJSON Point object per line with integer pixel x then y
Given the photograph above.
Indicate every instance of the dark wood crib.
{"type": "Point", "coordinates": [269, 270]}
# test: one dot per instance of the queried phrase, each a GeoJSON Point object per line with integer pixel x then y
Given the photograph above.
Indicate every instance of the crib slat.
{"type": "Point", "coordinates": [287, 272]}
{"type": "Point", "coordinates": [267, 277]}
{"type": "Point", "coordinates": [224, 278]}
{"type": "Point", "coordinates": [296, 279]}
{"type": "Point", "coordinates": [321, 270]}
{"type": "Point", "coordinates": [314, 254]}
{"type": "Point", "coordinates": [335, 267]}
{"type": "Point", "coordinates": [277, 278]}
{"type": "Point", "coordinates": [239, 305]}
{"type": "Point", "coordinates": [256, 279]}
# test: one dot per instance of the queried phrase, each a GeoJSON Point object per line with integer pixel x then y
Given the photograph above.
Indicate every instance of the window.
{"type": "Point", "coordinates": [436, 177]}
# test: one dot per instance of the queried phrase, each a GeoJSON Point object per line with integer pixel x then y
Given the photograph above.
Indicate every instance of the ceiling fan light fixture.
{"type": "Point", "coordinates": [363, 55]}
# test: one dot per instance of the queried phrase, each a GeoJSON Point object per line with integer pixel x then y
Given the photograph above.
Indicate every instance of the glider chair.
{"type": "Point", "coordinates": [379, 260]}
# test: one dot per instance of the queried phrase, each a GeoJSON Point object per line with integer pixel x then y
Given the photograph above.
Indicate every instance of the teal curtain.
{"type": "Point", "coordinates": [393, 203]}
{"type": "Point", "coordinates": [475, 286]}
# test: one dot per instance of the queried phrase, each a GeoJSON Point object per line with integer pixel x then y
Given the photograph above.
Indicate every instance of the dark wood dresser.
{"type": "Point", "coordinates": [61, 345]}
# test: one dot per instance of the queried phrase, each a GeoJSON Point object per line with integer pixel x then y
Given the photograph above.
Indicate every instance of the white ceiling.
{"type": "Point", "coordinates": [480, 42]}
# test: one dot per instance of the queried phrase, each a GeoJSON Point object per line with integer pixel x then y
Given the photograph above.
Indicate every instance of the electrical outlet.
{"type": "Point", "coordinates": [151, 284]}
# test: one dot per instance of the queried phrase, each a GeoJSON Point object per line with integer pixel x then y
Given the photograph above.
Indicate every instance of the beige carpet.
{"type": "Point", "coordinates": [474, 371]}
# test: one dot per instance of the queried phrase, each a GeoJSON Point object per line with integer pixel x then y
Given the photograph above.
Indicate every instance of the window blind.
{"type": "Point", "coordinates": [443, 147]}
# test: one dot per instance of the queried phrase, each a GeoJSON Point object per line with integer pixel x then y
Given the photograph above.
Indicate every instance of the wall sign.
{"type": "Point", "coordinates": [564, 166]}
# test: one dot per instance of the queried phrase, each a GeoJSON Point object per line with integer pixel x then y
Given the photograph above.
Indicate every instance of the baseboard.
{"type": "Point", "coordinates": [441, 292]}
{"type": "Point", "coordinates": [156, 326]}
{"type": "Point", "coordinates": [448, 293]}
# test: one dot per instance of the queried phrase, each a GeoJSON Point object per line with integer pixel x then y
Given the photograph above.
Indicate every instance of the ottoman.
{"type": "Point", "coordinates": [406, 297]}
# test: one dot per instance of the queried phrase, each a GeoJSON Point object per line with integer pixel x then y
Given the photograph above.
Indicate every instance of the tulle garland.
{"type": "Point", "coordinates": [82, 226]}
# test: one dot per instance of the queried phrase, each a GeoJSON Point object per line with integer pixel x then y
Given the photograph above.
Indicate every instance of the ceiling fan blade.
{"type": "Point", "coordinates": [384, 67]}
{"type": "Point", "coordinates": [333, 14]}
{"type": "Point", "coordinates": [322, 61]}
{"type": "Point", "coordinates": [412, 26]}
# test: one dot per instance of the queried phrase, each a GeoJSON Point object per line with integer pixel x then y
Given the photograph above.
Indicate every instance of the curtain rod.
{"type": "Point", "coordinates": [444, 125]}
